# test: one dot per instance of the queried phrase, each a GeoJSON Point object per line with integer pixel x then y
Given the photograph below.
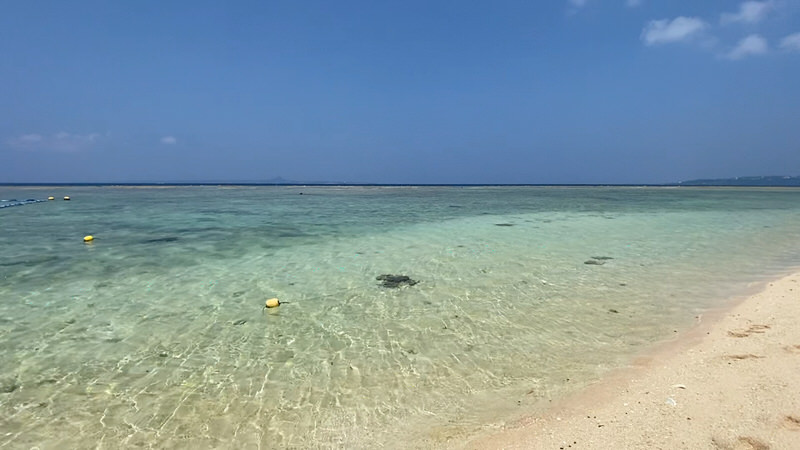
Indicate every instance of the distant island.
{"type": "Point", "coordinates": [744, 181]}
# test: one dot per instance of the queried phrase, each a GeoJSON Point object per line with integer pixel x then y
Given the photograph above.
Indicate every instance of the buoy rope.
{"type": "Point", "coordinates": [15, 202]}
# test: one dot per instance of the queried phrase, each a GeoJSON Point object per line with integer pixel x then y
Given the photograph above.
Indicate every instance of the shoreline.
{"type": "Point", "coordinates": [730, 382]}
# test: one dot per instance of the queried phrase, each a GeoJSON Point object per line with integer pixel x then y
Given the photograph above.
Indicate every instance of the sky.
{"type": "Point", "coordinates": [541, 92]}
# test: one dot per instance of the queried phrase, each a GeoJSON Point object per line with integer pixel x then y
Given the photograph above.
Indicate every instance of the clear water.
{"type": "Point", "coordinates": [137, 338]}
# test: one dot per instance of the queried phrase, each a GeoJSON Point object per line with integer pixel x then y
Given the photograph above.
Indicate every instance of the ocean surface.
{"type": "Point", "coordinates": [155, 334]}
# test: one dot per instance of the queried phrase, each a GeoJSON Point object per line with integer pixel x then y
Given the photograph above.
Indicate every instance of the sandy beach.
{"type": "Point", "coordinates": [733, 382]}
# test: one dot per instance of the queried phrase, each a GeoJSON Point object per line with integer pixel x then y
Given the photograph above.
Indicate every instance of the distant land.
{"type": "Point", "coordinates": [744, 181]}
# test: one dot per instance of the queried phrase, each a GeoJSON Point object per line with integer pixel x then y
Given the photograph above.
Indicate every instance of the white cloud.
{"type": "Point", "coordinates": [575, 6]}
{"type": "Point", "coordinates": [30, 138]}
{"type": "Point", "coordinates": [749, 46]}
{"type": "Point", "coordinates": [62, 142]}
{"type": "Point", "coordinates": [169, 140]}
{"type": "Point", "coordinates": [666, 31]}
{"type": "Point", "coordinates": [791, 42]}
{"type": "Point", "coordinates": [749, 12]}
{"type": "Point", "coordinates": [633, 3]}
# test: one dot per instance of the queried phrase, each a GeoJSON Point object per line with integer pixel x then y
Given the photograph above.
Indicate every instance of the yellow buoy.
{"type": "Point", "coordinates": [51, 198]}
{"type": "Point", "coordinates": [66, 198]}
{"type": "Point", "coordinates": [272, 303]}
{"type": "Point", "coordinates": [89, 238]}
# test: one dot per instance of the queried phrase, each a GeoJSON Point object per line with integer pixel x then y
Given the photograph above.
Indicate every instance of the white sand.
{"type": "Point", "coordinates": [730, 384]}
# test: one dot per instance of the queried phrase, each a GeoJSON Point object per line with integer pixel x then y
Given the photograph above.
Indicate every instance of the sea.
{"type": "Point", "coordinates": [155, 333]}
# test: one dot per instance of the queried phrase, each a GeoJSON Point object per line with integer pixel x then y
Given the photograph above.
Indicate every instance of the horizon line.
{"type": "Point", "coordinates": [252, 184]}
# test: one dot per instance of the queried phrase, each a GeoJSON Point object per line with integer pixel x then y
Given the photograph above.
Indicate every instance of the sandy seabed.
{"type": "Point", "coordinates": [731, 383]}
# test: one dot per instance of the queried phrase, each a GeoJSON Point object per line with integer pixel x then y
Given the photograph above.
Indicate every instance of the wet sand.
{"type": "Point", "coordinates": [731, 383]}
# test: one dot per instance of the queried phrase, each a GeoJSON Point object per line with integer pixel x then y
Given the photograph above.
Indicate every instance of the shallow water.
{"type": "Point", "coordinates": [156, 333]}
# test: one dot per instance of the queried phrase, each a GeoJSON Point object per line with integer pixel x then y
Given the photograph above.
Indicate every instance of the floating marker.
{"type": "Point", "coordinates": [66, 198]}
{"type": "Point", "coordinates": [89, 238]}
{"type": "Point", "coordinates": [272, 303]}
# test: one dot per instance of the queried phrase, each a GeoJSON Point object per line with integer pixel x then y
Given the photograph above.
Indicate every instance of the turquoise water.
{"type": "Point", "coordinates": [156, 334]}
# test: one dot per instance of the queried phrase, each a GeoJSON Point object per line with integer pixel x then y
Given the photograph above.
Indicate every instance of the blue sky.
{"type": "Point", "coordinates": [560, 91]}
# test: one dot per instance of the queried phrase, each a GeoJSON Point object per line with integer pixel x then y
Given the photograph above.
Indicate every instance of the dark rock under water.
{"type": "Point", "coordinates": [598, 260]}
{"type": "Point", "coordinates": [395, 281]}
{"type": "Point", "coordinates": [160, 240]}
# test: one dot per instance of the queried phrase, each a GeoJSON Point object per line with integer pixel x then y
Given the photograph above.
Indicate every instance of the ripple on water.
{"type": "Point", "coordinates": [157, 333]}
